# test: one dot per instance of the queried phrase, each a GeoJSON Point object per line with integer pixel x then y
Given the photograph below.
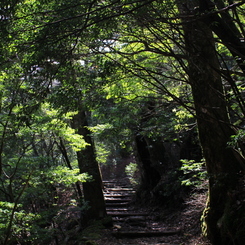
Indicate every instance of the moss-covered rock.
{"type": "Point", "coordinates": [94, 230]}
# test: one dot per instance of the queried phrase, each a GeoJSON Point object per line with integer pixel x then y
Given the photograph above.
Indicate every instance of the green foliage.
{"type": "Point", "coordinates": [63, 175]}
{"type": "Point", "coordinates": [23, 224]}
{"type": "Point", "coordinates": [35, 151]}
{"type": "Point", "coordinates": [102, 153]}
{"type": "Point", "coordinates": [131, 171]}
{"type": "Point", "coordinates": [44, 196]}
{"type": "Point", "coordinates": [236, 139]}
{"type": "Point", "coordinates": [26, 227]}
{"type": "Point", "coordinates": [123, 61]}
{"type": "Point", "coordinates": [194, 173]}
{"type": "Point", "coordinates": [183, 118]}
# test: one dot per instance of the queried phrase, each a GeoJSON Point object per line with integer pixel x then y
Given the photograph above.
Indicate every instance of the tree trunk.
{"type": "Point", "coordinates": [222, 219]}
{"type": "Point", "coordinates": [92, 190]}
{"type": "Point", "coordinates": [149, 175]}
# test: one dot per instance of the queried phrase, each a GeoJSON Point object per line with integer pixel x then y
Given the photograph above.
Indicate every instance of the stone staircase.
{"type": "Point", "coordinates": [130, 221]}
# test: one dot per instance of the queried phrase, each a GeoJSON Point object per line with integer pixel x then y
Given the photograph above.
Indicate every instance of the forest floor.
{"type": "Point", "coordinates": [183, 224]}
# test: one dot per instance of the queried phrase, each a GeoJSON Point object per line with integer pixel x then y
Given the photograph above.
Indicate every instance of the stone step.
{"type": "Point", "coordinates": [136, 234]}
{"type": "Point", "coordinates": [108, 195]}
{"type": "Point", "coordinates": [115, 183]}
{"type": "Point", "coordinates": [118, 197]}
{"type": "Point", "coordinates": [119, 209]}
{"type": "Point", "coordinates": [120, 189]}
{"type": "Point", "coordinates": [122, 204]}
{"type": "Point", "coordinates": [118, 200]}
{"type": "Point", "coordinates": [126, 214]}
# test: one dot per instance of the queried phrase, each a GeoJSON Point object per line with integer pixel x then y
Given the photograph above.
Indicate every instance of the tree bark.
{"type": "Point", "coordinates": [222, 223]}
{"type": "Point", "coordinates": [92, 190]}
{"type": "Point", "coordinates": [149, 175]}
{"type": "Point", "coordinates": [145, 159]}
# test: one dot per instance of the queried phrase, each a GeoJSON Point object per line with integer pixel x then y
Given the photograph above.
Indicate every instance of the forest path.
{"type": "Point", "coordinates": [131, 224]}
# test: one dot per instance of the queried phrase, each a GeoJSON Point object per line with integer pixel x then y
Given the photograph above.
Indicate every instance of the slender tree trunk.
{"type": "Point", "coordinates": [222, 219]}
{"type": "Point", "coordinates": [63, 151]}
{"type": "Point", "coordinates": [92, 190]}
